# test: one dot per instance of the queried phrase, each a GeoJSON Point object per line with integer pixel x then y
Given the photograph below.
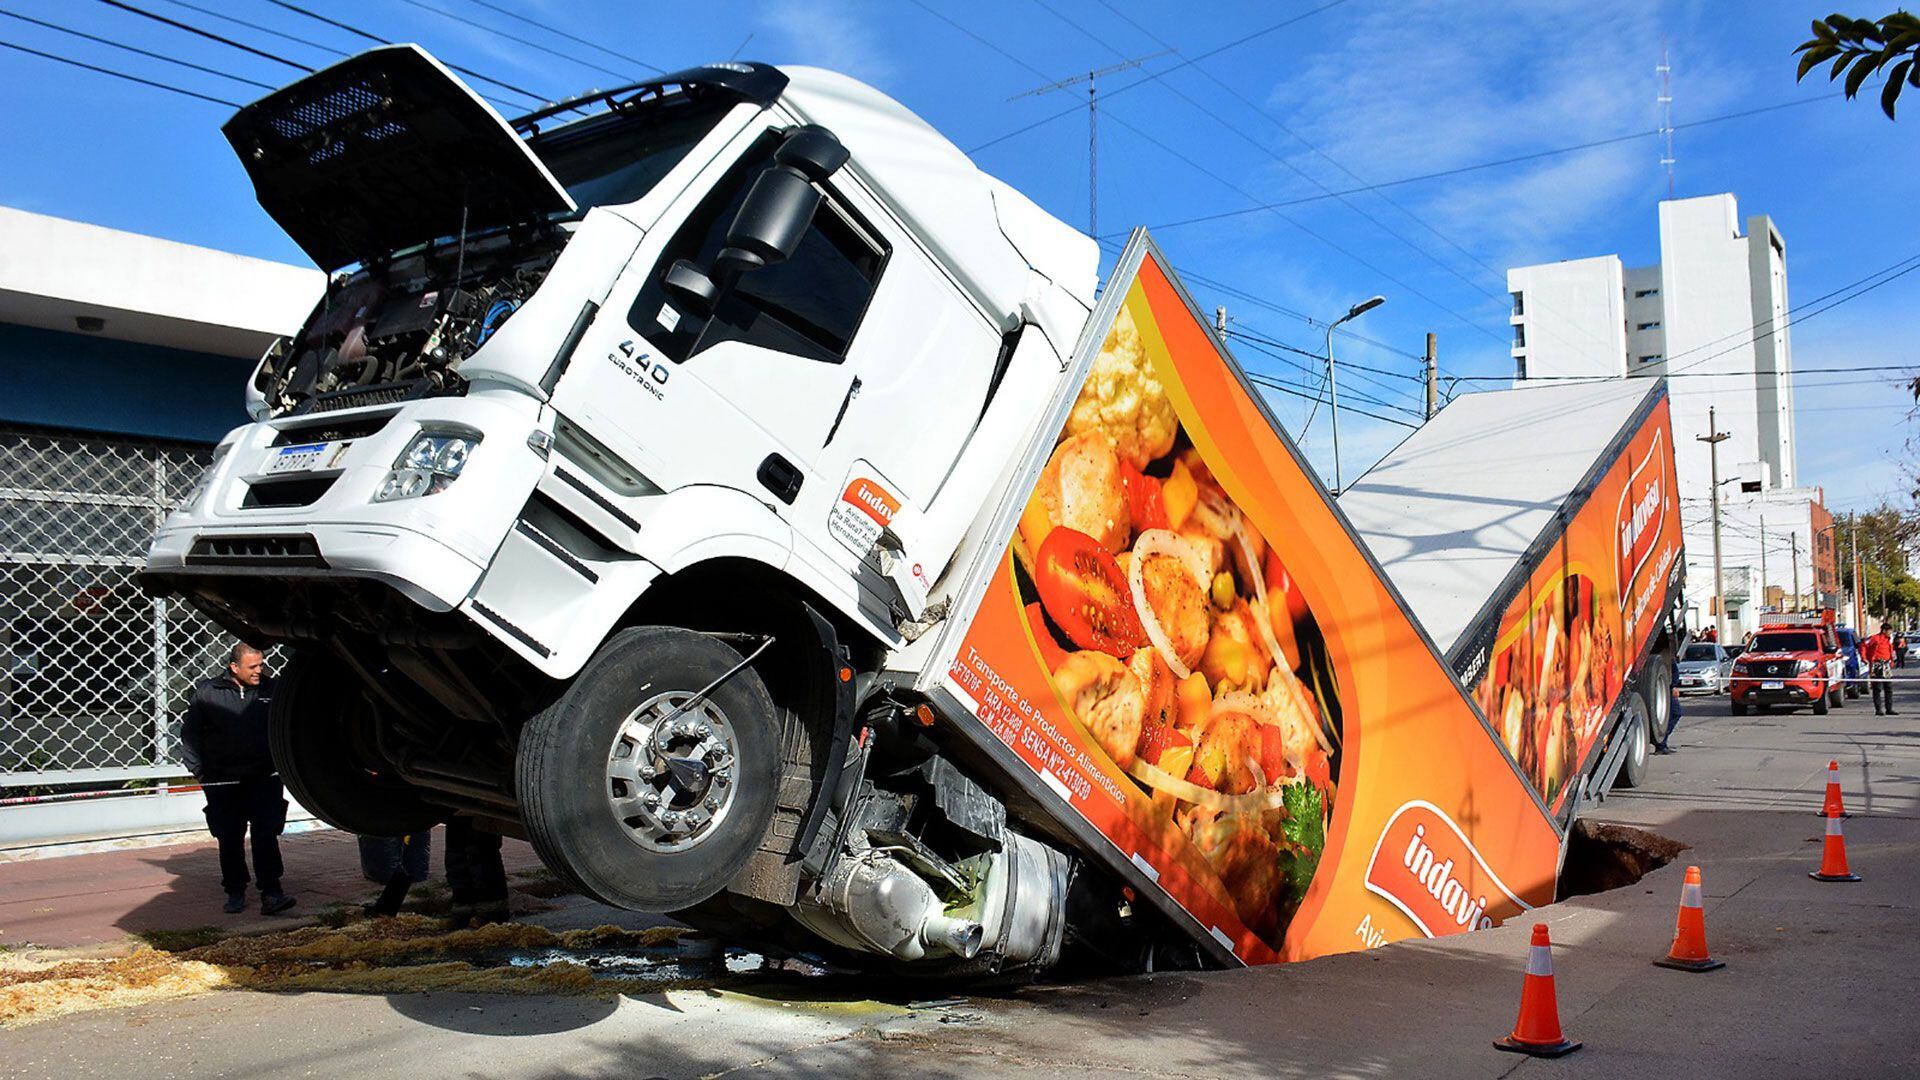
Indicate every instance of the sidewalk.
{"type": "Point", "coordinates": [105, 898]}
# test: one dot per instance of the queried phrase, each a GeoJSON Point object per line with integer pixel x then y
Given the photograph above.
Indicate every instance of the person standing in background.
{"type": "Point", "coordinates": [223, 740]}
{"type": "Point", "coordinates": [1877, 651]}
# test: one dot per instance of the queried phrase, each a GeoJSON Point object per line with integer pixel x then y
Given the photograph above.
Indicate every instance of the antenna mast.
{"type": "Point", "coordinates": [1091, 78]}
{"type": "Point", "coordinates": [1665, 72]}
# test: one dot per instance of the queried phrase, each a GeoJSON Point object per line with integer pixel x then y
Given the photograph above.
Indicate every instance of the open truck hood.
{"type": "Point", "coordinates": [384, 150]}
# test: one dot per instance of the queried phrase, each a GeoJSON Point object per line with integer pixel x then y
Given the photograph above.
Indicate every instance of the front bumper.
{"type": "Point", "coordinates": [1791, 692]}
{"type": "Point", "coordinates": [429, 550]}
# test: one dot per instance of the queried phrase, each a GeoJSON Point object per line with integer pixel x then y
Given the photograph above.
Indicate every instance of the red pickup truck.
{"type": "Point", "coordinates": [1791, 663]}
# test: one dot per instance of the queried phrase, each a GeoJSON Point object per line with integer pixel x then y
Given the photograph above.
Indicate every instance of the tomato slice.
{"type": "Point", "coordinates": [1085, 593]}
{"type": "Point", "coordinates": [1144, 499]}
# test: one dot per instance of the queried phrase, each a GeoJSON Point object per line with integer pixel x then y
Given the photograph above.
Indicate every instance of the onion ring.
{"type": "Point", "coordinates": [1257, 801]}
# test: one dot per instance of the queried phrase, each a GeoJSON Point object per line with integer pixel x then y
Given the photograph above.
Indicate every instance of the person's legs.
{"type": "Point", "coordinates": [267, 815]}
{"type": "Point", "coordinates": [475, 874]}
{"type": "Point", "coordinates": [227, 821]}
{"type": "Point", "coordinates": [1882, 690]}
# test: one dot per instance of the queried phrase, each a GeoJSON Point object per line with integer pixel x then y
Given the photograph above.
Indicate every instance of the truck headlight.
{"type": "Point", "coordinates": [431, 462]}
{"type": "Point", "coordinates": [1802, 667]}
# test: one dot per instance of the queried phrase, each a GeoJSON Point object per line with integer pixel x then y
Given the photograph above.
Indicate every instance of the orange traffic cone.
{"type": "Point", "coordinates": [1832, 807]}
{"type": "Point", "coordinates": [1537, 1031]}
{"type": "Point", "coordinates": [1833, 855]}
{"type": "Point", "coordinates": [1689, 952]}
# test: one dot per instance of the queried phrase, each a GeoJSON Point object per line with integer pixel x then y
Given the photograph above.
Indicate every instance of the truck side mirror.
{"type": "Point", "coordinates": [771, 222]}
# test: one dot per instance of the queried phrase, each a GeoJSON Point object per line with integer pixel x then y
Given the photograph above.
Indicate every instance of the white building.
{"type": "Point", "coordinates": [1712, 310]}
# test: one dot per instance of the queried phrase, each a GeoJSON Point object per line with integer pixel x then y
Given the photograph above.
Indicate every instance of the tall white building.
{"type": "Point", "coordinates": [1714, 309]}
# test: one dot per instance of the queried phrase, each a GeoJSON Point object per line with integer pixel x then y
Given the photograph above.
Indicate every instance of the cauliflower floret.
{"type": "Point", "coordinates": [1124, 399]}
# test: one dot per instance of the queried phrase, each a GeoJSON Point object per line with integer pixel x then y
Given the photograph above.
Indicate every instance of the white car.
{"type": "Point", "coordinates": [1704, 668]}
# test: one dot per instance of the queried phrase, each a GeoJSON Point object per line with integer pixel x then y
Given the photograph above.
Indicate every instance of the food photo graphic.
{"type": "Point", "coordinates": [1174, 636]}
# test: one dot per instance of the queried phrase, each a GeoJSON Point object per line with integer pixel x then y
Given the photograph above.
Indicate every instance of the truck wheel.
{"type": "Point", "coordinates": [642, 815]}
{"type": "Point", "coordinates": [1657, 687]}
{"type": "Point", "coordinates": [1636, 729]}
{"type": "Point", "coordinates": [1820, 704]}
{"type": "Point", "coordinates": [320, 730]}
{"type": "Point", "coordinates": [1835, 698]}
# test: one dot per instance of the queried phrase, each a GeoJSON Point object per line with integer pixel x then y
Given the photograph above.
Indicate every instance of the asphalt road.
{"type": "Point", "coordinates": [1819, 978]}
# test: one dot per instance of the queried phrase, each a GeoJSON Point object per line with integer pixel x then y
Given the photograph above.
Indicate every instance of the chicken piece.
{"type": "Point", "coordinates": [1221, 759]}
{"type": "Point", "coordinates": [1081, 488]}
{"type": "Point", "coordinates": [1124, 400]}
{"type": "Point", "coordinates": [1157, 685]}
{"type": "Point", "coordinates": [1178, 604]}
{"type": "Point", "coordinates": [1236, 656]}
{"type": "Point", "coordinates": [1107, 699]}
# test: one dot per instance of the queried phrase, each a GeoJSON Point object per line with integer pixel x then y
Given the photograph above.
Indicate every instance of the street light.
{"type": "Point", "coordinates": [1333, 388]}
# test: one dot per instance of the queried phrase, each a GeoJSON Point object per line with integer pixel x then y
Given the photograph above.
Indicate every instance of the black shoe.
{"type": "Point", "coordinates": [1890, 712]}
{"type": "Point", "coordinates": [275, 903]}
{"type": "Point", "coordinates": [236, 903]}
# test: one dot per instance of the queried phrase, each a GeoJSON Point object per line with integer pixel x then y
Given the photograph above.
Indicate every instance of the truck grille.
{"type": "Point", "coordinates": [1771, 667]}
{"type": "Point", "coordinates": [299, 550]}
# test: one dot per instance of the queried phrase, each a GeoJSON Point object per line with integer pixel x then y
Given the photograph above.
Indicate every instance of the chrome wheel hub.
{"type": "Point", "coordinates": [671, 773]}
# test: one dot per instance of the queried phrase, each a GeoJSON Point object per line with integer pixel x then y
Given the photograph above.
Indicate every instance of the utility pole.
{"type": "Point", "coordinates": [1433, 378]}
{"type": "Point", "coordinates": [1859, 596]}
{"type": "Point", "coordinates": [1092, 78]}
{"type": "Point", "coordinates": [1763, 562]}
{"type": "Point", "coordinates": [1713, 438]}
{"type": "Point", "coordinates": [1795, 538]}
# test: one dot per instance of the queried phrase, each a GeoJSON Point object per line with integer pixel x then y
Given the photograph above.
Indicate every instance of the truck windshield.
{"type": "Point", "coordinates": [617, 158]}
{"type": "Point", "coordinates": [1786, 643]}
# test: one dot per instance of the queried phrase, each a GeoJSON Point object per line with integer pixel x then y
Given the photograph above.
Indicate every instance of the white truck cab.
{"type": "Point", "coordinates": [628, 441]}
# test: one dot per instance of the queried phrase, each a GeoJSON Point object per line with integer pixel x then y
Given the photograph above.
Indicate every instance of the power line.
{"type": "Point", "coordinates": [575, 38]}
{"type": "Point", "coordinates": [1289, 388]}
{"type": "Point", "coordinates": [1163, 72]}
{"type": "Point", "coordinates": [378, 40]}
{"type": "Point", "coordinates": [119, 74]}
{"type": "Point", "coordinates": [1792, 319]}
{"type": "Point", "coordinates": [281, 34]}
{"type": "Point", "coordinates": [1296, 223]}
{"type": "Point", "coordinates": [1514, 160]}
{"type": "Point", "coordinates": [132, 49]}
{"type": "Point", "coordinates": [208, 34]}
{"type": "Point", "coordinates": [1684, 374]}
{"type": "Point", "coordinates": [1358, 395]}
{"type": "Point", "coordinates": [445, 14]}
{"type": "Point", "coordinates": [1189, 275]}
{"type": "Point", "coordinates": [1241, 134]}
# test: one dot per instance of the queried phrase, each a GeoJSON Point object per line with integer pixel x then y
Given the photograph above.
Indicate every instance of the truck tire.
{"type": "Point", "coordinates": [320, 730]}
{"type": "Point", "coordinates": [1820, 704]}
{"type": "Point", "coordinates": [1656, 686]}
{"type": "Point", "coordinates": [621, 821]}
{"type": "Point", "coordinates": [1835, 697]}
{"type": "Point", "coordinates": [1636, 728]}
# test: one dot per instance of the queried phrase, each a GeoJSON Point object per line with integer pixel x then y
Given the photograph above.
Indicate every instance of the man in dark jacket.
{"type": "Point", "coordinates": [224, 739]}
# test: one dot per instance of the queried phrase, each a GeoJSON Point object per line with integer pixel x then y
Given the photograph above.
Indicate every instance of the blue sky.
{"type": "Point", "coordinates": [1360, 93]}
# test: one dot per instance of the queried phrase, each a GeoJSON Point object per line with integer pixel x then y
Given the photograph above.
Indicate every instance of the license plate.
{"type": "Point", "coordinates": [1773, 686]}
{"type": "Point", "coordinates": [306, 457]}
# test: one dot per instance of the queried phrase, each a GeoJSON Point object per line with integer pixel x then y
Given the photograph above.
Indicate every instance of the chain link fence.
{"type": "Point", "coordinates": [94, 674]}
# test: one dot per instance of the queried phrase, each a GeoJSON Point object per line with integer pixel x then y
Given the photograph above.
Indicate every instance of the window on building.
{"type": "Point", "coordinates": [1652, 358]}
{"type": "Point", "coordinates": [1519, 335]}
{"type": "Point", "coordinates": [1642, 294]}
{"type": "Point", "coordinates": [1648, 326]}
{"type": "Point", "coordinates": [1519, 305]}
{"type": "Point", "coordinates": [1519, 367]}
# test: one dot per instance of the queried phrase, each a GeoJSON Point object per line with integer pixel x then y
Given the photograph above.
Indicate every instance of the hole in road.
{"type": "Point", "coordinates": [1602, 856]}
